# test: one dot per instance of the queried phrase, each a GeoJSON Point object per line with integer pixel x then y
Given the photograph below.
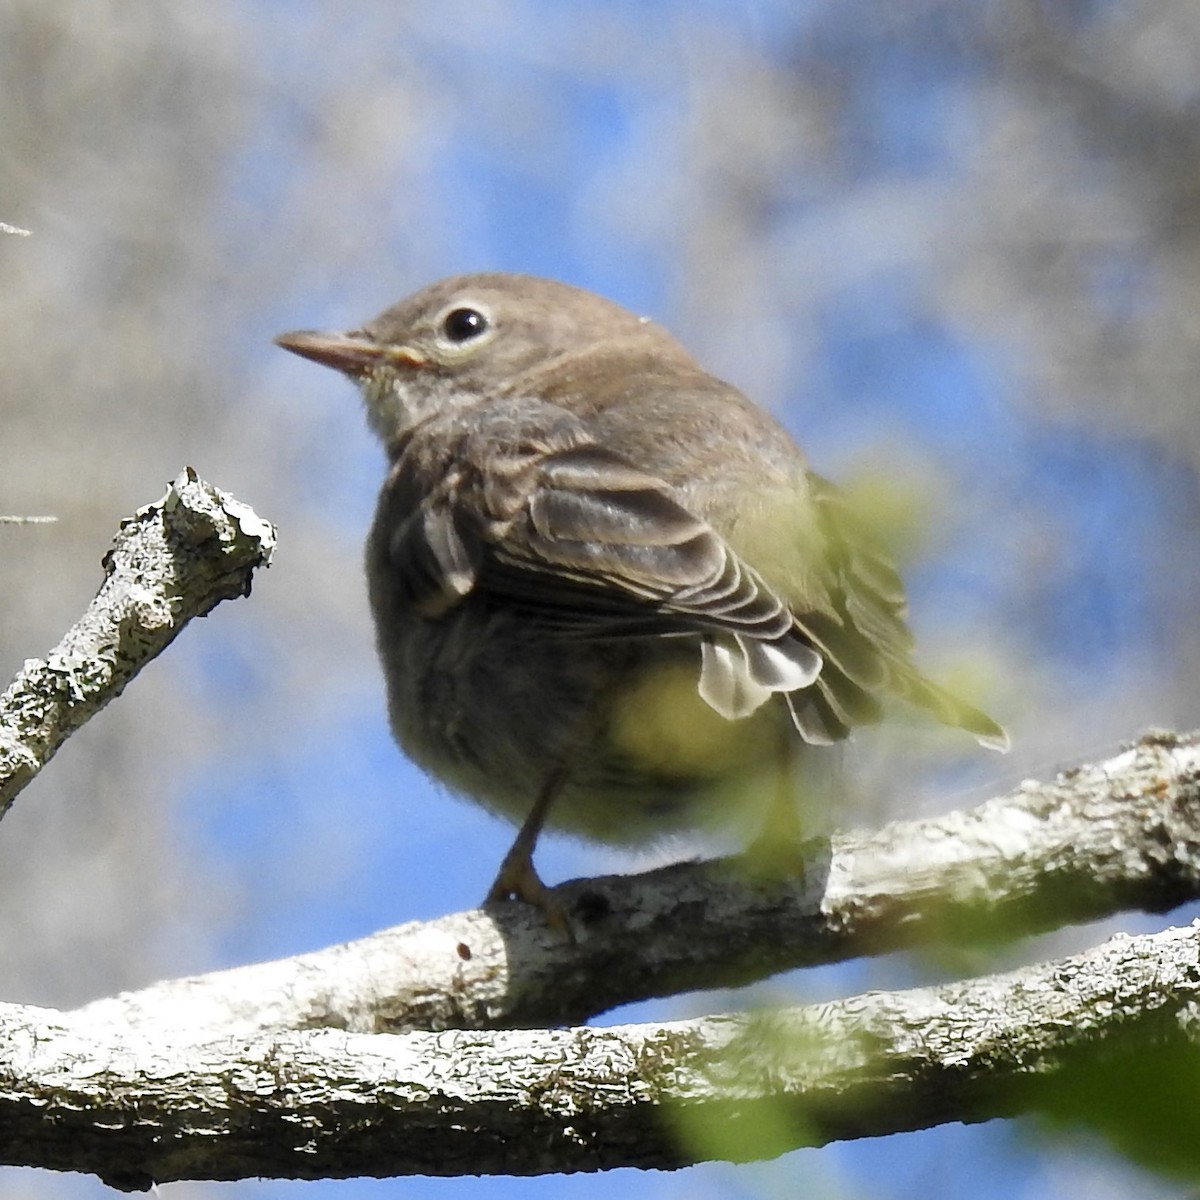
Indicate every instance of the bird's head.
{"type": "Point", "coordinates": [467, 339]}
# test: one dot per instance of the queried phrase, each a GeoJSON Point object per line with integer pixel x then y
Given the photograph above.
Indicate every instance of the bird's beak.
{"type": "Point", "coordinates": [356, 354]}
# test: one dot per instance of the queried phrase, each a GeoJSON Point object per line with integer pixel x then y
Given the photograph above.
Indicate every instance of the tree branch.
{"type": "Point", "coordinates": [171, 561]}
{"type": "Point", "coordinates": [1118, 835]}
{"type": "Point", "coordinates": [87, 1095]}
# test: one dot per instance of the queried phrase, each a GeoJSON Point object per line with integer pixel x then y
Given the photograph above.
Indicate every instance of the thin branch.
{"type": "Point", "coordinates": [171, 561]}
{"type": "Point", "coordinates": [1119, 835]}
{"type": "Point", "coordinates": [88, 1095]}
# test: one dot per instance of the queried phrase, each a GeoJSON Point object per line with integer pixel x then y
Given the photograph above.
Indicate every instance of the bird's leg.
{"type": "Point", "coordinates": [517, 879]}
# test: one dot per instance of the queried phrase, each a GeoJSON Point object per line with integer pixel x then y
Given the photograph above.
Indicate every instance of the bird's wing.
{"type": "Point", "coordinates": [599, 545]}
{"type": "Point", "coordinates": [590, 546]}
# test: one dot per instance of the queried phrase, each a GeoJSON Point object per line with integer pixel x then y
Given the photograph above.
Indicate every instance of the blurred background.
{"type": "Point", "coordinates": [955, 247]}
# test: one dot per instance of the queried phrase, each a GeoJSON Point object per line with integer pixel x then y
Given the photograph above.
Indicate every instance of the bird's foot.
{"type": "Point", "coordinates": [517, 879]}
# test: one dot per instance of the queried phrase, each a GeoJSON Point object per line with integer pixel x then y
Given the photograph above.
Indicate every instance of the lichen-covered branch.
{"type": "Point", "coordinates": [171, 561]}
{"type": "Point", "coordinates": [1118, 835]}
{"type": "Point", "coordinates": [86, 1095]}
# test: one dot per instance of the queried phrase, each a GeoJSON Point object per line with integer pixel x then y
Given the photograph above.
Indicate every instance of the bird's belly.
{"type": "Point", "coordinates": [493, 709]}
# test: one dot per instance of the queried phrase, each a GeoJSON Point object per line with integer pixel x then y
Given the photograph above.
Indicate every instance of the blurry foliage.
{"type": "Point", "coordinates": [1143, 1098]}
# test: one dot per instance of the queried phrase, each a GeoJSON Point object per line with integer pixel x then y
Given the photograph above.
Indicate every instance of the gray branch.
{"type": "Point", "coordinates": [88, 1095]}
{"type": "Point", "coordinates": [1119, 835]}
{"type": "Point", "coordinates": [171, 561]}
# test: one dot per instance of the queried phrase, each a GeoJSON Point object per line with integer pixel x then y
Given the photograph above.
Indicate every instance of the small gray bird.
{"type": "Point", "coordinates": [609, 595]}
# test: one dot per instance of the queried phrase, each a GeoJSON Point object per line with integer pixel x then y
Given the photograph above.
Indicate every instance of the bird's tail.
{"type": "Point", "coordinates": [950, 710]}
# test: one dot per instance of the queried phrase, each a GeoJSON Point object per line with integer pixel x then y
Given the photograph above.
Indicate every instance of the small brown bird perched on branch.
{"type": "Point", "coordinates": [609, 595]}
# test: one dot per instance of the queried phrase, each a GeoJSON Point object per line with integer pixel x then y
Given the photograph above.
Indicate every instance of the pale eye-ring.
{"type": "Point", "coordinates": [463, 324]}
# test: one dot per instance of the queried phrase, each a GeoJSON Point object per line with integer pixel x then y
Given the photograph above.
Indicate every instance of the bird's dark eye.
{"type": "Point", "coordinates": [463, 324]}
